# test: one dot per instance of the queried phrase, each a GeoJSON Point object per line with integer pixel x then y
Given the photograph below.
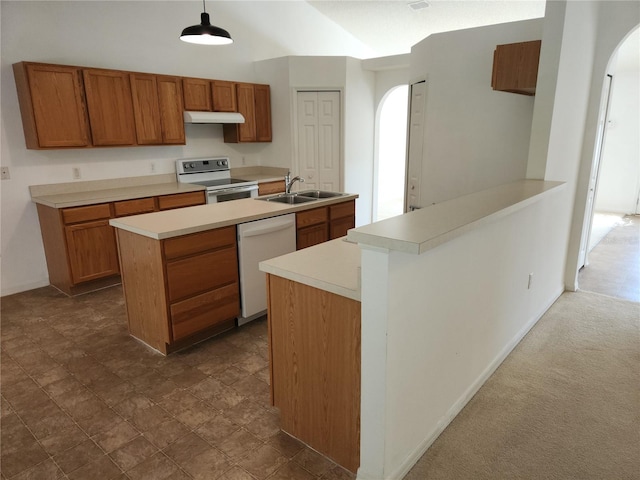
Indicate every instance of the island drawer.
{"type": "Point", "coordinates": [134, 207]}
{"type": "Point", "coordinates": [86, 214]}
{"type": "Point", "coordinates": [193, 275]}
{"type": "Point", "coordinates": [205, 310]}
{"type": "Point", "coordinates": [199, 242]}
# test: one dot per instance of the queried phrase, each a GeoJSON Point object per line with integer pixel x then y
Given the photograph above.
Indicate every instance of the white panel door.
{"type": "Point", "coordinates": [415, 145]}
{"type": "Point", "coordinates": [318, 152]}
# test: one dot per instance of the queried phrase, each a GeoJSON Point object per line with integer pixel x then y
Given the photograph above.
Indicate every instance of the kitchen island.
{"type": "Point", "coordinates": [443, 294]}
{"type": "Point", "coordinates": [180, 267]}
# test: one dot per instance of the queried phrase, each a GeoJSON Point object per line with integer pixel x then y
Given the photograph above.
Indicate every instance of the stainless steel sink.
{"type": "Point", "coordinates": [289, 198]}
{"type": "Point", "coordinates": [319, 194]}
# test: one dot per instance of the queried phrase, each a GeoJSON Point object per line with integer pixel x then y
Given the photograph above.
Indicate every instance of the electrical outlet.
{"type": "Point", "coordinates": [153, 167]}
{"type": "Point", "coordinates": [530, 281]}
{"type": "Point", "coordinates": [4, 173]}
{"type": "Point", "coordinates": [75, 171]}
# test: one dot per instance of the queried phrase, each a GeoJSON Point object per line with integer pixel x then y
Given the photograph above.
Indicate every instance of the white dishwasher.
{"type": "Point", "coordinates": [257, 241]}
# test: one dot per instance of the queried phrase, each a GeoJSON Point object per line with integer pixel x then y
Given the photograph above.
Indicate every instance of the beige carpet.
{"type": "Point", "coordinates": [564, 405]}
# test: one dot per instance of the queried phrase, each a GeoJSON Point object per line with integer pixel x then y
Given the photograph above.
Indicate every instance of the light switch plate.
{"type": "Point", "coordinates": [4, 173]}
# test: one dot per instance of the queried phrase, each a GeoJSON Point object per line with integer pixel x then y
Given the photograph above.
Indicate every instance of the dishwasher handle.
{"type": "Point", "coordinates": [273, 226]}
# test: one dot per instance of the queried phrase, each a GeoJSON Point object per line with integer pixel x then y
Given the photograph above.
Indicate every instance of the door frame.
{"type": "Point", "coordinates": [601, 138]}
{"type": "Point", "coordinates": [295, 161]}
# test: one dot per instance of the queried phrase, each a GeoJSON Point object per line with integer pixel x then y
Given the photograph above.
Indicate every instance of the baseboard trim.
{"type": "Point", "coordinates": [24, 288]}
{"type": "Point", "coordinates": [457, 407]}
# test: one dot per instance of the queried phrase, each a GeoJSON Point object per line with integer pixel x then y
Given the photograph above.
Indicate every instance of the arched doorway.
{"type": "Point", "coordinates": [616, 185]}
{"type": "Point", "coordinates": [389, 173]}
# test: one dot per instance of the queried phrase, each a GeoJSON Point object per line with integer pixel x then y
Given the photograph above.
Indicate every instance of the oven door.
{"type": "Point", "coordinates": [232, 193]}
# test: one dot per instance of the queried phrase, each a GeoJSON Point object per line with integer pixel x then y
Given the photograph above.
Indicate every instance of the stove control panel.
{"type": "Point", "coordinates": [202, 165]}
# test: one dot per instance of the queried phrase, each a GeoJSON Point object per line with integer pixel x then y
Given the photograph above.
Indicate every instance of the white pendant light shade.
{"type": "Point", "coordinates": [205, 33]}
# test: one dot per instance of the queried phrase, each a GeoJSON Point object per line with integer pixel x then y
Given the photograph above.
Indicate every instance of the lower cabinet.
{"type": "Point", "coordinates": [95, 254]}
{"type": "Point", "coordinates": [321, 224]}
{"type": "Point", "coordinates": [270, 188]}
{"type": "Point", "coordinates": [80, 245]}
{"type": "Point", "coordinates": [181, 290]}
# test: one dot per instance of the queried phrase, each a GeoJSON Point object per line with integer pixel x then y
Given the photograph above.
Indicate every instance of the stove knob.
{"type": "Point", "coordinates": [192, 165]}
{"type": "Point", "coordinates": [219, 163]}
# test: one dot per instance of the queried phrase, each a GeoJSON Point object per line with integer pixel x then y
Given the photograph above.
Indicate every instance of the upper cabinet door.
{"type": "Point", "coordinates": [246, 106]}
{"type": "Point", "coordinates": [171, 109]}
{"type": "Point", "coordinates": [224, 96]}
{"type": "Point", "coordinates": [52, 106]}
{"type": "Point", "coordinates": [263, 113]}
{"type": "Point", "coordinates": [110, 107]}
{"type": "Point", "coordinates": [515, 67]}
{"type": "Point", "coordinates": [197, 94]}
{"type": "Point", "coordinates": [146, 109]}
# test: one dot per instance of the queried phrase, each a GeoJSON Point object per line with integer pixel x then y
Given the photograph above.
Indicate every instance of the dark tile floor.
{"type": "Point", "coordinates": [81, 399]}
{"type": "Point", "coordinates": [614, 263]}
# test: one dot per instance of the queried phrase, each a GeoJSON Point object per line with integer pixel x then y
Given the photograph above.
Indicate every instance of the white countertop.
{"type": "Point", "coordinates": [80, 193]}
{"type": "Point", "coordinates": [182, 221]}
{"type": "Point", "coordinates": [426, 228]}
{"type": "Point", "coordinates": [333, 266]}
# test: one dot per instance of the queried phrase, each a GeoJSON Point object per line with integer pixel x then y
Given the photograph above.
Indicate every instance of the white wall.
{"type": "Point", "coordinates": [359, 130]}
{"type": "Point", "coordinates": [619, 179]}
{"type": "Point", "coordinates": [474, 137]}
{"type": "Point", "coordinates": [436, 325]}
{"type": "Point", "coordinates": [108, 34]}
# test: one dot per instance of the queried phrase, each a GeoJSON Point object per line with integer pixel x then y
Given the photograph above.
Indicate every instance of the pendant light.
{"type": "Point", "coordinates": [205, 33]}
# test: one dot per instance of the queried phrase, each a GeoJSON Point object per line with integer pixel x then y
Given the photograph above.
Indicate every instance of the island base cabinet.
{"type": "Point", "coordinates": [314, 353]}
{"type": "Point", "coordinates": [167, 309]}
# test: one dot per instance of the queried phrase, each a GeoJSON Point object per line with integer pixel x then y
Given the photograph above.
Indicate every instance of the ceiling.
{"type": "Point", "coordinates": [392, 27]}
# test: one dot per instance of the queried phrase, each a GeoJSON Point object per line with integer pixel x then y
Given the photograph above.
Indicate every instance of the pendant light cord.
{"type": "Point", "coordinates": [204, 7]}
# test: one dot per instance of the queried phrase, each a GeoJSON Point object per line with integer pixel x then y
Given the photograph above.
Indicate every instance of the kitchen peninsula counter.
{"type": "Point", "coordinates": [426, 228]}
{"type": "Point", "coordinates": [323, 319]}
{"type": "Point", "coordinates": [175, 223]}
{"type": "Point", "coordinates": [332, 266]}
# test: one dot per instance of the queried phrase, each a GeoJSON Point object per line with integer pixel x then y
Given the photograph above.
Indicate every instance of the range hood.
{"type": "Point", "coordinates": [213, 117]}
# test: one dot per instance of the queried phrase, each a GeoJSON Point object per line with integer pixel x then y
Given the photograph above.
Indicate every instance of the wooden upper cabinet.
{"type": "Point", "coordinates": [246, 106]}
{"type": "Point", "coordinates": [146, 108]}
{"type": "Point", "coordinates": [52, 106]}
{"type": "Point", "coordinates": [157, 106]}
{"type": "Point", "coordinates": [171, 109]}
{"type": "Point", "coordinates": [110, 106]}
{"type": "Point", "coordinates": [254, 104]}
{"type": "Point", "coordinates": [197, 94]}
{"type": "Point", "coordinates": [263, 113]}
{"type": "Point", "coordinates": [224, 96]}
{"type": "Point", "coordinates": [515, 67]}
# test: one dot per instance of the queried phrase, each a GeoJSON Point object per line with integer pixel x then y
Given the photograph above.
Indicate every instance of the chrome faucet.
{"type": "Point", "coordinates": [288, 181]}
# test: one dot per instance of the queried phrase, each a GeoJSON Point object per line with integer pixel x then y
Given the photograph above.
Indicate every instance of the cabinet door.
{"type": "Point", "coordinates": [110, 107]}
{"type": "Point", "coordinates": [92, 250]}
{"type": "Point", "coordinates": [146, 109]}
{"type": "Point", "coordinates": [224, 96]}
{"type": "Point", "coordinates": [308, 236]}
{"type": "Point", "coordinates": [246, 106]}
{"type": "Point", "coordinates": [515, 67]}
{"type": "Point", "coordinates": [339, 228]}
{"type": "Point", "coordinates": [197, 94]}
{"type": "Point", "coordinates": [52, 106]}
{"type": "Point", "coordinates": [171, 109]}
{"type": "Point", "coordinates": [263, 113]}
